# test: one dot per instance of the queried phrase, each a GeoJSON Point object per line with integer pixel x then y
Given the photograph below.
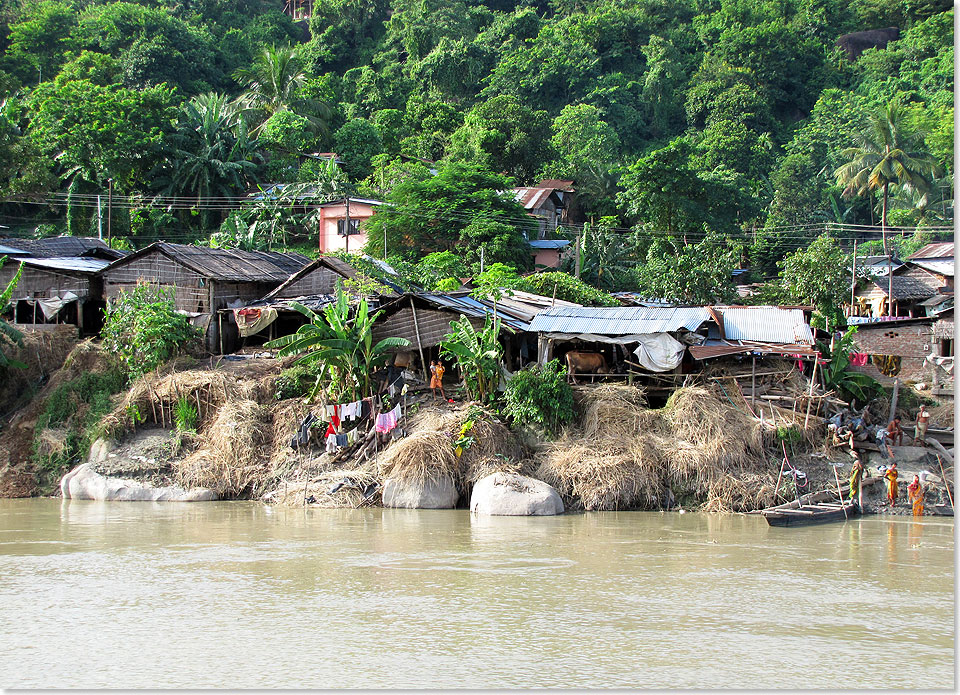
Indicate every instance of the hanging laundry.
{"type": "Point", "coordinates": [858, 359]}
{"type": "Point", "coordinates": [364, 408]}
{"type": "Point", "coordinates": [342, 441]}
{"type": "Point", "coordinates": [350, 411]}
{"type": "Point", "coordinates": [387, 421]}
{"type": "Point", "coordinates": [353, 435]}
{"type": "Point", "coordinates": [889, 365]}
{"type": "Point", "coordinates": [303, 431]}
{"type": "Point", "coordinates": [331, 443]}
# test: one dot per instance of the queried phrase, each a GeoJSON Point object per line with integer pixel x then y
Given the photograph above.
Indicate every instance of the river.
{"type": "Point", "coordinates": [237, 594]}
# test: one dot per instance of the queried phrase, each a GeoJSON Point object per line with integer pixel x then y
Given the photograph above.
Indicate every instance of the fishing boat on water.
{"type": "Point", "coordinates": [815, 508]}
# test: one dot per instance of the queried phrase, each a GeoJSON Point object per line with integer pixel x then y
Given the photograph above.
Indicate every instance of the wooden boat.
{"type": "Point", "coordinates": [817, 508]}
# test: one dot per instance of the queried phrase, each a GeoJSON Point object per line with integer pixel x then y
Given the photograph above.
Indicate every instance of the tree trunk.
{"type": "Point", "coordinates": [886, 250]}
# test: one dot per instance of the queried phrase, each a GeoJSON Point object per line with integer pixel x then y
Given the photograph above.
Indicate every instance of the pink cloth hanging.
{"type": "Point", "coordinates": [858, 359]}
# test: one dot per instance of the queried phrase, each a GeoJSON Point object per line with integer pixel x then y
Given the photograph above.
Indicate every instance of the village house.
{"type": "Point", "coordinates": [202, 280]}
{"type": "Point", "coordinates": [59, 247]}
{"type": "Point", "coordinates": [548, 202]}
{"type": "Point", "coordinates": [54, 291]}
{"type": "Point", "coordinates": [333, 228]}
{"type": "Point", "coordinates": [909, 294]}
{"type": "Point", "coordinates": [895, 349]}
{"type": "Point", "coordinates": [549, 253]}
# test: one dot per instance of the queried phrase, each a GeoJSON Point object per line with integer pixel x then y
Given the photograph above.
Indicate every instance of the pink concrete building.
{"type": "Point", "coordinates": [549, 252]}
{"type": "Point", "coordinates": [333, 222]}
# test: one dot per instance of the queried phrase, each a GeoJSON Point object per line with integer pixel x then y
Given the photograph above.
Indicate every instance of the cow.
{"type": "Point", "coordinates": [586, 363]}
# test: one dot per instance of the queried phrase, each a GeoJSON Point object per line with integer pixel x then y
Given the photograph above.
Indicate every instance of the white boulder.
{"type": "Point", "coordinates": [84, 483]}
{"type": "Point", "coordinates": [509, 494]}
{"type": "Point", "coordinates": [431, 494]}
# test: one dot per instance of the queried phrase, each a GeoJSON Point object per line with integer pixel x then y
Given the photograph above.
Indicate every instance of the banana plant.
{"type": "Point", "coordinates": [341, 340]}
{"type": "Point", "coordinates": [6, 330]}
{"type": "Point", "coordinates": [838, 376]}
{"type": "Point", "coordinates": [478, 355]}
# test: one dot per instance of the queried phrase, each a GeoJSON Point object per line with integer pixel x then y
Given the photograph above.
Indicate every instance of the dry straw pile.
{"type": "Point", "coordinates": [627, 456]}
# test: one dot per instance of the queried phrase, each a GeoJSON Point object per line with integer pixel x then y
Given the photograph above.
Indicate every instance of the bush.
{"type": "Point", "coordinates": [76, 407]}
{"type": "Point", "coordinates": [297, 381]}
{"type": "Point", "coordinates": [144, 328]}
{"type": "Point", "coordinates": [540, 397]}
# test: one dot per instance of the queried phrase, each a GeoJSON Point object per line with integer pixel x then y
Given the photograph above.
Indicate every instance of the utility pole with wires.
{"type": "Point", "coordinates": [109, 211]}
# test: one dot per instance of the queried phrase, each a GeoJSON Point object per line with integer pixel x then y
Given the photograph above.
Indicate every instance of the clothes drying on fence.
{"type": "Point", "coordinates": [387, 421]}
{"type": "Point", "coordinates": [303, 431]}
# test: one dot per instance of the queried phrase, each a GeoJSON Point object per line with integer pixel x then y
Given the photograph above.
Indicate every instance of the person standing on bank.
{"type": "Point", "coordinates": [856, 475]}
{"type": "Point", "coordinates": [923, 422]}
{"type": "Point", "coordinates": [891, 475]}
{"type": "Point", "coordinates": [915, 493]}
{"type": "Point", "coordinates": [436, 378]}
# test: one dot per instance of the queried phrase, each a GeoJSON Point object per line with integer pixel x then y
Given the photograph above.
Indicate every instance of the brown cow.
{"type": "Point", "coordinates": [586, 363]}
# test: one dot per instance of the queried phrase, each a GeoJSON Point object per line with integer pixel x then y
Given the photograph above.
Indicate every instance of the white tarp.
{"type": "Point", "coordinates": [52, 306]}
{"type": "Point", "coordinates": [659, 352]}
{"type": "Point", "coordinates": [250, 320]}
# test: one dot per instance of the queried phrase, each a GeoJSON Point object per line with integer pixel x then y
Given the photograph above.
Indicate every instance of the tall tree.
{"type": "Point", "coordinates": [273, 84]}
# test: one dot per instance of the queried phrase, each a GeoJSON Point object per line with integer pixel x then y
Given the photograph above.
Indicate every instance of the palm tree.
{"type": "Point", "coordinates": [887, 153]}
{"type": "Point", "coordinates": [273, 85]}
{"type": "Point", "coordinates": [212, 154]}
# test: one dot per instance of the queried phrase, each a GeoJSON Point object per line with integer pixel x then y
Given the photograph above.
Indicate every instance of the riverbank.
{"type": "Point", "coordinates": [703, 450]}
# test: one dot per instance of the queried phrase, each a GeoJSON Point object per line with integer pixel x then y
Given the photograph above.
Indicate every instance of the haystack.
{"type": "Point", "coordinates": [231, 458]}
{"type": "Point", "coordinates": [628, 456]}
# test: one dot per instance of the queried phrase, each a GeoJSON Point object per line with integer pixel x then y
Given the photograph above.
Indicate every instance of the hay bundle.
{"type": "Point", "coordinates": [230, 460]}
{"type": "Point", "coordinates": [613, 410]}
{"type": "Point", "coordinates": [340, 488]}
{"type": "Point", "coordinates": [601, 476]}
{"type": "Point", "coordinates": [726, 436]}
{"type": "Point", "coordinates": [730, 493]}
{"type": "Point", "coordinates": [419, 457]}
{"type": "Point", "coordinates": [52, 442]}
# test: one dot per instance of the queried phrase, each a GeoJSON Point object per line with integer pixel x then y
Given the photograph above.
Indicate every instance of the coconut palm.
{"type": "Point", "coordinates": [273, 85]}
{"type": "Point", "coordinates": [887, 153]}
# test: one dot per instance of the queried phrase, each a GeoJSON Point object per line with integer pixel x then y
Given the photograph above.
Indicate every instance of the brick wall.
{"type": "Point", "coordinates": [911, 342]}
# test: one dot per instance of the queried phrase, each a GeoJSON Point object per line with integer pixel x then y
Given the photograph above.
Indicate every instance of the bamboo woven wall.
{"type": "Point", "coordinates": [189, 288]}
{"type": "Point", "coordinates": [434, 325]}
{"type": "Point", "coordinates": [35, 282]}
{"type": "Point", "coordinates": [319, 281]}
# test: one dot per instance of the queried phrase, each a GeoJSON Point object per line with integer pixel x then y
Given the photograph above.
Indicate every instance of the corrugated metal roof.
{"type": "Point", "coordinates": [532, 198]}
{"type": "Point", "coordinates": [766, 324]}
{"type": "Point", "coordinates": [717, 348]}
{"type": "Point", "coordinates": [941, 267]}
{"type": "Point", "coordinates": [72, 264]}
{"type": "Point", "coordinates": [941, 249]}
{"type": "Point", "coordinates": [549, 243]}
{"type": "Point", "coordinates": [470, 307]}
{"type": "Point", "coordinates": [626, 320]}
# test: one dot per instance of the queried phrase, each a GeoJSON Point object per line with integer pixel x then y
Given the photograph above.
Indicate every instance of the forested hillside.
{"type": "Point", "coordinates": [693, 129]}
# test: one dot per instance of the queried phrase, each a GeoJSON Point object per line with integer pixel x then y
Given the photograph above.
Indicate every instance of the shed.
{"type": "Point", "coordinates": [424, 319]}
{"type": "Point", "coordinates": [202, 280]}
{"type": "Point", "coordinates": [59, 247]}
{"type": "Point", "coordinates": [549, 252]}
{"type": "Point", "coordinates": [53, 291]}
{"type": "Point", "coordinates": [908, 293]}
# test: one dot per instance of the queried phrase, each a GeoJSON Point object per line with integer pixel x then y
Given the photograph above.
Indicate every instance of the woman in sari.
{"type": "Point", "coordinates": [915, 493]}
{"type": "Point", "coordinates": [891, 475]}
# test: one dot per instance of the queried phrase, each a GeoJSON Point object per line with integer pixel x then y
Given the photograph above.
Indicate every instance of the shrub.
{"type": "Point", "coordinates": [540, 397]}
{"type": "Point", "coordinates": [297, 381]}
{"type": "Point", "coordinates": [185, 415]}
{"type": "Point", "coordinates": [144, 328]}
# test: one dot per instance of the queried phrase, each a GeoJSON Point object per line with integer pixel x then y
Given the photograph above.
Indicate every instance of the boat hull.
{"type": "Point", "coordinates": [810, 515]}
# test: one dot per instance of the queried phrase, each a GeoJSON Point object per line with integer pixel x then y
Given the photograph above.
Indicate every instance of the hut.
{"type": "Point", "coordinates": [54, 291]}
{"type": "Point", "coordinates": [424, 319]}
{"type": "Point", "coordinates": [909, 294]}
{"type": "Point", "coordinates": [896, 347]}
{"type": "Point", "coordinates": [59, 247]}
{"type": "Point", "coordinates": [202, 280]}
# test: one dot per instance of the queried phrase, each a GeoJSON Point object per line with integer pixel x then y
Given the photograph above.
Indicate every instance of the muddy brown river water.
{"type": "Point", "coordinates": [236, 594]}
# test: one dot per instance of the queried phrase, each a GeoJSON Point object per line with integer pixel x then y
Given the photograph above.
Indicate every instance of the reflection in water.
{"type": "Point", "coordinates": [242, 595]}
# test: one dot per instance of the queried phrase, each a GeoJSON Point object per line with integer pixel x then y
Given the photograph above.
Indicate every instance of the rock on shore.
{"type": "Point", "coordinates": [430, 494]}
{"type": "Point", "coordinates": [84, 483]}
{"type": "Point", "coordinates": [508, 494]}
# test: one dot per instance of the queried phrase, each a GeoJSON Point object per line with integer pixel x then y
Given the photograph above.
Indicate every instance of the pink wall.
{"type": "Point", "coordinates": [546, 257]}
{"type": "Point", "coordinates": [329, 214]}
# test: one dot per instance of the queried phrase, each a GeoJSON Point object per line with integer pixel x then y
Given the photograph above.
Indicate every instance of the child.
{"type": "Point", "coordinates": [436, 378]}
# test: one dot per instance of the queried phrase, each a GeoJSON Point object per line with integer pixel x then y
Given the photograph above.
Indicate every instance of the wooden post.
{"type": "Point", "coordinates": [813, 380]}
{"type": "Point", "coordinates": [109, 210]}
{"type": "Point", "coordinates": [853, 279]}
{"type": "Point", "coordinates": [753, 381]}
{"type": "Point", "coordinates": [893, 399]}
{"type": "Point", "coordinates": [946, 483]}
{"type": "Point", "coordinates": [416, 327]}
{"type": "Point", "coordinates": [220, 329]}
{"type": "Point", "coordinates": [840, 491]}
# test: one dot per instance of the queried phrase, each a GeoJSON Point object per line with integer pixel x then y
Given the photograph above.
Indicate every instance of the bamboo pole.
{"type": "Point", "coordinates": [416, 327]}
{"type": "Point", "coordinates": [945, 483]}
{"type": "Point", "coordinates": [840, 492]}
{"type": "Point", "coordinates": [813, 380]}
{"type": "Point", "coordinates": [753, 381]}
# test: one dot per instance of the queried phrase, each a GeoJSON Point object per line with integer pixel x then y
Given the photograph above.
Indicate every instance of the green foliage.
{"type": "Point", "coordinates": [296, 382]}
{"type": "Point", "coordinates": [540, 397]}
{"type": "Point", "coordinates": [357, 141]}
{"type": "Point", "coordinates": [689, 274]}
{"type": "Point", "coordinates": [340, 342]}
{"type": "Point", "coordinates": [566, 287]}
{"type": "Point", "coordinates": [819, 275]}
{"type": "Point", "coordinates": [478, 355]}
{"type": "Point", "coordinates": [456, 210]}
{"type": "Point", "coordinates": [144, 329]}
{"type": "Point", "coordinates": [9, 334]}
{"type": "Point", "coordinates": [837, 373]}
{"type": "Point", "coordinates": [76, 407]}
{"type": "Point", "coordinates": [185, 415]}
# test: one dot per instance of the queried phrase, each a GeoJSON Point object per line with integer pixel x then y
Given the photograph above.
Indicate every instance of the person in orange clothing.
{"type": "Point", "coordinates": [915, 494]}
{"type": "Point", "coordinates": [891, 475]}
{"type": "Point", "coordinates": [436, 378]}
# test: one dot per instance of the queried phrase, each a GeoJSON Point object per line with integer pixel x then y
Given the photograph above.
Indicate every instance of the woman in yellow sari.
{"type": "Point", "coordinates": [915, 493]}
{"type": "Point", "coordinates": [892, 489]}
